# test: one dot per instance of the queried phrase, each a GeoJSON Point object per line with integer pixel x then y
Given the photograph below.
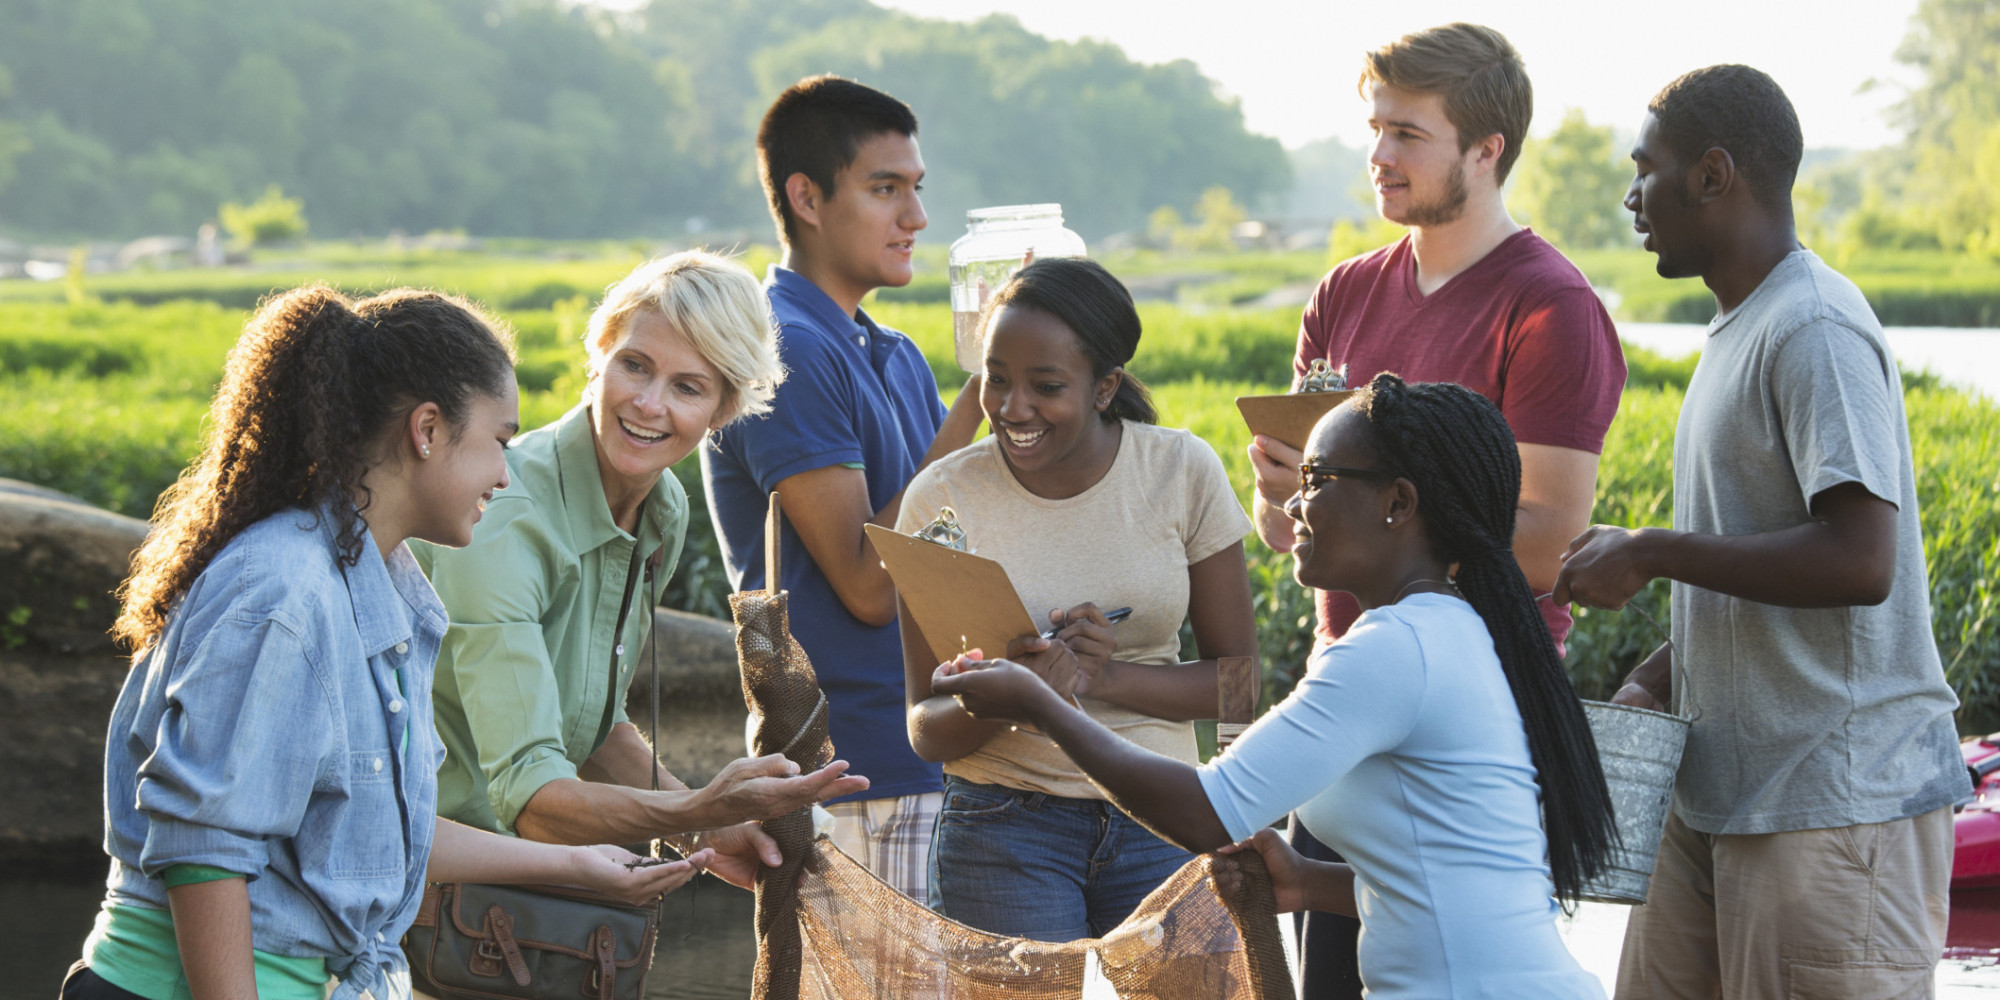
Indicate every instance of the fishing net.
{"type": "Point", "coordinates": [829, 930]}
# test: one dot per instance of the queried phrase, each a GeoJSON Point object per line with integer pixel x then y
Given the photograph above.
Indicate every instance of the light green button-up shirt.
{"type": "Point", "coordinates": [525, 670]}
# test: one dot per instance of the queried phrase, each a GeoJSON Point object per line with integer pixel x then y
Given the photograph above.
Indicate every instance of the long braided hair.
{"type": "Point", "coordinates": [1455, 446]}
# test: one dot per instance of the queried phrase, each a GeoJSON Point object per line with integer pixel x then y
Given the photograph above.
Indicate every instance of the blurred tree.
{"type": "Point", "coordinates": [1164, 226]}
{"type": "Point", "coordinates": [555, 118]}
{"type": "Point", "coordinates": [273, 218]}
{"type": "Point", "coordinates": [13, 137]}
{"type": "Point", "coordinates": [1350, 239]}
{"type": "Point", "coordinates": [1953, 119]}
{"type": "Point", "coordinates": [1216, 215]}
{"type": "Point", "coordinates": [1570, 185]}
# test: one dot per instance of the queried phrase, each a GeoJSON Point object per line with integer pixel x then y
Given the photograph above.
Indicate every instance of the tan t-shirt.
{"type": "Point", "coordinates": [1125, 542]}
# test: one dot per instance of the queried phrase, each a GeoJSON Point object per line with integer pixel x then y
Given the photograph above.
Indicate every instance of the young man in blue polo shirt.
{"type": "Point", "coordinates": [857, 416]}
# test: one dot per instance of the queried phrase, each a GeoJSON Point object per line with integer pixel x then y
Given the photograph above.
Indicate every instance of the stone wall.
{"type": "Point", "coordinates": [60, 560]}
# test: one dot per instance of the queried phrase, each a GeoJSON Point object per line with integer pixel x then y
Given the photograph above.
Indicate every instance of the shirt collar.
{"type": "Point", "coordinates": [584, 503]}
{"type": "Point", "coordinates": [387, 594]}
{"type": "Point", "coordinates": [798, 292]}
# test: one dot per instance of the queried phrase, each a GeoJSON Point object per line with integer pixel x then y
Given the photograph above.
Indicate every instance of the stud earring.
{"type": "Point", "coordinates": [1388, 520]}
{"type": "Point", "coordinates": [424, 450]}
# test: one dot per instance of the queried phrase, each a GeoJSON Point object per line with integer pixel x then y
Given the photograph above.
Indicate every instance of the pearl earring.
{"type": "Point", "coordinates": [424, 450]}
{"type": "Point", "coordinates": [1388, 520]}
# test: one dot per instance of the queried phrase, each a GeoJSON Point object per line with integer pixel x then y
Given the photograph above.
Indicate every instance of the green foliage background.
{"type": "Point", "coordinates": [548, 118]}
{"type": "Point", "coordinates": [104, 399]}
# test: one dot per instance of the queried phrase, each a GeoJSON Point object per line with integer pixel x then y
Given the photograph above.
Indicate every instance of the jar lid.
{"type": "Point", "coordinates": [1011, 213]}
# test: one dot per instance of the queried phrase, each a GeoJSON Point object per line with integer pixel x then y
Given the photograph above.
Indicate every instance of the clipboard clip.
{"type": "Point", "coordinates": [1321, 378]}
{"type": "Point", "coordinates": [944, 530]}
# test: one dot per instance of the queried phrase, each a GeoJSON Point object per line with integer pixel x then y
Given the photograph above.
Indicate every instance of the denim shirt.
{"type": "Point", "coordinates": [265, 733]}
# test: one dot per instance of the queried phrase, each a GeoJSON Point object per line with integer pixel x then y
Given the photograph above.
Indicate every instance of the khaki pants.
{"type": "Point", "coordinates": [1847, 912]}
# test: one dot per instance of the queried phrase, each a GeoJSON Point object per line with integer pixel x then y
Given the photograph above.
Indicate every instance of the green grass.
{"type": "Point", "coordinates": [105, 400]}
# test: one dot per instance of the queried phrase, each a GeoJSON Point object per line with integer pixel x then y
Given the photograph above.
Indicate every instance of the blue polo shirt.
{"type": "Point", "coordinates": [855, 393]}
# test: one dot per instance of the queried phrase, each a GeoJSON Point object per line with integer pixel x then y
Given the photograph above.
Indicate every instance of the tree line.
{"type": "Point", "coordinates": [1938, 189]}
{"type": "Point", "coordinates": [550, 119]}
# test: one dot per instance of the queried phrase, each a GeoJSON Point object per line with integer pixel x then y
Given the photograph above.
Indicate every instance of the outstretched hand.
{"type": "Point", "coordinates": [995, 689]}
{"type": "Point", "coordinates": [619, 873]}
{"type": "Point", "coordinates": [759, 788]}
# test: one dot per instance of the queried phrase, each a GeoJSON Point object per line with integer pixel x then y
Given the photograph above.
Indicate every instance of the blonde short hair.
{"type": "Point", "coordinates": [713, 302]}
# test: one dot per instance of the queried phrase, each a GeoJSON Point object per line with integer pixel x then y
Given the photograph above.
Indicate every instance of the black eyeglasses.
{"type": "Point", "coordinates": [1312, 477]}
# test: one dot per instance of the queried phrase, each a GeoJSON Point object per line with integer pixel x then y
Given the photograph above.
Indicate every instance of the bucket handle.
{"type": "Point", "coordinates": [1682, 687]}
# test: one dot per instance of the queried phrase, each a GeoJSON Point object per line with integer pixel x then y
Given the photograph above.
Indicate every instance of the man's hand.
{"type": "Point", "coordinates": [1604, 567]}
{"type": "Point", "coordinates": [758, 788]}
{"type": "Point", "coordinates": [1650, 685]}
{"type": "Point", "coordinates": [1276, 467]}
{"type": "Point", "coordinates": [737, 852]}
{"type": "Point", "coordinates": [1087, 633]}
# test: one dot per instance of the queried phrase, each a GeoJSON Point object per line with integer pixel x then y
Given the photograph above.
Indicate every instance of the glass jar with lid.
{"type": "Point", "coordinates": [996, 242]}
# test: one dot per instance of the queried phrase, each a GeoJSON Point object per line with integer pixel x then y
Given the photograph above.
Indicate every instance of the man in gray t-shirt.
{"type": "Point", "coordinates": [1809, 850]}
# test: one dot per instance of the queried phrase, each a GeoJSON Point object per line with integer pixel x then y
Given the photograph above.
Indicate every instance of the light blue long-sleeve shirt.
{"type": "Point", "coordinates": [265, 733]}
{"type": "Point", "coordinates": [1403, 750]}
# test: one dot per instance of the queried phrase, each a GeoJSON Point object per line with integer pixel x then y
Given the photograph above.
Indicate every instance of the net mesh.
{"type": "Point", "coordinates": [829, 930]}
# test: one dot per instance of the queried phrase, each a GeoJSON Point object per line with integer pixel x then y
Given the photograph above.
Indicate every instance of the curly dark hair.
{"type": "Point", "coordinates": [1456, 447]}
{"type": "Point", "coordinates": [305, 396]}
{"type": "Point", "coordinates": [1098, 308]}
{"type": "Point", "coordinates": [1739, 109]}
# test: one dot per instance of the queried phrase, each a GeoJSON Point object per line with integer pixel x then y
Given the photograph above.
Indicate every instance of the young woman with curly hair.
{"type": "Point", "coordinates": [271, 766]}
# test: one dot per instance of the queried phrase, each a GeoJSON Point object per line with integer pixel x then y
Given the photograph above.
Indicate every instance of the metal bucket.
{"type": "Point", "coordinates": [1641, 750]}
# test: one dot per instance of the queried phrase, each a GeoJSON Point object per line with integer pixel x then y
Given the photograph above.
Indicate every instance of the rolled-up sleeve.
{"type": "Point", "coordinates": [497, 591]}
{"type": "Point", "coordinates": [243, 741]}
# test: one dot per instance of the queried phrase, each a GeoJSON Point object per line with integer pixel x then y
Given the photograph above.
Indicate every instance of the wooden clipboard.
{"type": "Point", "coordinates": [960, 600]}
{"type": "Point", "coordinates": [1289, 417]}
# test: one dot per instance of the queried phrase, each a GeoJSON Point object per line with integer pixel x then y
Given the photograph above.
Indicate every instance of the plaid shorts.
{"type": "Point", "coordinates": [890, 837]}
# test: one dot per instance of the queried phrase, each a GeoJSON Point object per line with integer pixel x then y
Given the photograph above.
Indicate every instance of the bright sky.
{"type": "Point", "coordinates": [1293, 62]}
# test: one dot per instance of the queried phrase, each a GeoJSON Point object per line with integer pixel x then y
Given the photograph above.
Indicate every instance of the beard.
{"type": "Point", "coordinates": [1443, 209]}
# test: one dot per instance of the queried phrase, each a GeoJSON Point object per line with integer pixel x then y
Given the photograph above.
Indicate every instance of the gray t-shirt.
{"type": "Point", "coordinates": [1818, 717]}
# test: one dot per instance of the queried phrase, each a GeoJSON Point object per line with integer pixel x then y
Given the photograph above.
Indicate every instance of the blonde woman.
{"type": "Point", "coordinates": [270, 766]}
{"type": "Point", "coordinates": [555, 585]}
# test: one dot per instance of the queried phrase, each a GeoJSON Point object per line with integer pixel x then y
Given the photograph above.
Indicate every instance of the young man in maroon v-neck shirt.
{"type": "Point", "coordinates": [1468, 296]}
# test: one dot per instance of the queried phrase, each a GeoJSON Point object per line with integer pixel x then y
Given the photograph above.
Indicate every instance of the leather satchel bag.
{"type": "Point", "coordinates": [477, 941]}
{"type": "Point", "coordinates": [473, 940]}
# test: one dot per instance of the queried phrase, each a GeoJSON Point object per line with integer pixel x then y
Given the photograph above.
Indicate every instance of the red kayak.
{"type": "Point", "coordinates": [1976, 827]}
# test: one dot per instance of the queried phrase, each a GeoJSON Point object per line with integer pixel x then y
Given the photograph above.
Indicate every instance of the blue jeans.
{"type": "Point", "coordinates": [1039, 866]}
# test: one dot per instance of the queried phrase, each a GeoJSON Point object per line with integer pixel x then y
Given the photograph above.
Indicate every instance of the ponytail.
{"type": "Point", "coordinates": [305, 395]}
{"type": "Point", "coordinates": [1456, 447]}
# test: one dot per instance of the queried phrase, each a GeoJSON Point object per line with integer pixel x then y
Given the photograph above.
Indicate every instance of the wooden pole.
{"type": "Point", "coordinates": [774, 523]}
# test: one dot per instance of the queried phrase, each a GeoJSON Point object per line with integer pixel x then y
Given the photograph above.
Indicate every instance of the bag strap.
{"type": "Point", "coordinates": [618, 630]}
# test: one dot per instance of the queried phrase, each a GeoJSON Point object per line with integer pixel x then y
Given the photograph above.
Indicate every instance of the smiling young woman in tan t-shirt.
{"type": "Point", "coordinates": [1091, 507]}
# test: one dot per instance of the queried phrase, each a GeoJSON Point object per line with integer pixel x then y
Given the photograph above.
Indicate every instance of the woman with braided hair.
{"type": "Point", "coordinates": [1437, 745]}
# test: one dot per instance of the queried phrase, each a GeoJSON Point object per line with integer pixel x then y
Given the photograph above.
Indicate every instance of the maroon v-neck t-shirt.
{"type": "Point", "coordinates": [1521, 327]}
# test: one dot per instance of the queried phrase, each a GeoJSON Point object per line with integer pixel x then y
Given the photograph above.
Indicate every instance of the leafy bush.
{"type": "Point", "coordinates": [273, 218]}
{"type": "Point", "coordinates": [105, 400]}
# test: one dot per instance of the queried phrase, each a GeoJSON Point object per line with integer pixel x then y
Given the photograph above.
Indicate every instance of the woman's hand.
{"type": "Point", "coordinates": [1285, 865]}
{"type": "Point", "coordinates": [619, 873]}
{"type": "Point", "coordinates": [1087, 633]}
{"type": "Point", "coordinates": [1049, 659]}
{"type": "Point", "coordinates": [996, 689]}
